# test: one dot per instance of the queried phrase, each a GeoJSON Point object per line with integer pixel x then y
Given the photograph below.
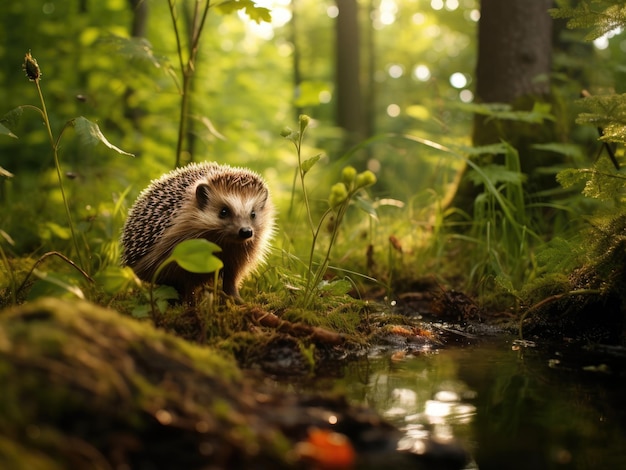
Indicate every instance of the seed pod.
{"type": "Point", "coordinates": [31, 68]}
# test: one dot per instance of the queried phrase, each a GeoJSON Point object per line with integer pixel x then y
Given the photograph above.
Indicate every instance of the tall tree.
{"type": "Point", "coordinates": [138, 27]}
{"type": "Point", "coordinates": [348, 71]}
{"type": "Point", "coordinates": [513, 67]}
{"type": "Point", "coordinates": [297, 70]}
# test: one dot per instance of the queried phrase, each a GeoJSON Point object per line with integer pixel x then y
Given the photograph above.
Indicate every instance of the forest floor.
{"type": "Point", "coordinates": [89, 388]}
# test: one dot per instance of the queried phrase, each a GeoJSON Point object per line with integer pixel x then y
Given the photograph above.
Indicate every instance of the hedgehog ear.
{"type": "Point", "coordinates": [266, 194]}
{"type": "Point", "coordinates": [203, 192]}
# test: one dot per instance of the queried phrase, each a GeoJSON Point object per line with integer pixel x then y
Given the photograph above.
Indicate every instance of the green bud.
{"type": "Point", "coordinates": [286, 132]}
{"type": "Point", "coordinates": [338, 194]}
{"type": "Point", "coordinates": [347, 175]}
{"type": "Point", "coordinates": [365, 179]}
{"type": "Point", "coordinates": [304, 122]}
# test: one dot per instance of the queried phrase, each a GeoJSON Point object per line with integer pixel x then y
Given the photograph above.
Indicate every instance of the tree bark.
{"type": "Point", "coordinates": [348, 70]}
{"type": "Point", "coordinates": [514, 50]}
{"type": "Point", "coordinates": [514, 65]}
{"type": "Point", "coordinates": [297, 70]}
{"type": "Point", "coordinates": [139, 23]}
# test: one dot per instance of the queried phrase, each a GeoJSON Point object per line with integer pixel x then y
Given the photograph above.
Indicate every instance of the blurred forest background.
{"type": "Point", "coordinates": [413, 90]}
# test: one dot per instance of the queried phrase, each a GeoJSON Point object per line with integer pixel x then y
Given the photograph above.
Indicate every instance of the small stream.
{"type": "Point", "coordinates": [506, 404]}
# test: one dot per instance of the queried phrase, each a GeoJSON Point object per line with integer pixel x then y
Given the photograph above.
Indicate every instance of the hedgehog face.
{"type": "Point", "coordinates": [232, 215]}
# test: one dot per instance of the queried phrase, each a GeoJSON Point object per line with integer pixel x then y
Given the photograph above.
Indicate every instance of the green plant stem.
{"type": "Point", "coordinates": [314, 280]}
{"type": "Point", "coordinates": [57, 165]}
{"type": "Point", "coordinates": [47, 255]}
{"type": "Point", "coordinates": [302, 174]}
{"type": "Point", "coordinates": [309, 277]}
{"type": "Point", "coordinates": [187, 70]}
{"type": "Point", "coordinates": [179, 49]}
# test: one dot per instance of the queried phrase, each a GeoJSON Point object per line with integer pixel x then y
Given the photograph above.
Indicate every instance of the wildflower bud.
{"type": "Point", "coordinates": [365, 179]}
{"type": "Point", "coordinates": [338, 194]}
{"type": "Point", "coordinates": [31, 68]}
{"type": "Point", "coordinates": [286, 132]}
{"type": "Point", "coordinates": [304, 122]}
{"type": "Point", "coordinates": [347, 175]}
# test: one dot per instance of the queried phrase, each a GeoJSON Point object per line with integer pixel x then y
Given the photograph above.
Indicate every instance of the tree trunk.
{"type": "Point", "coordinates": [514, 50]}
{"type": "Point", "coordinates": [370, 87]}
{"type": "Point", "coordinates": [297, 70]}
{"type": "Point", "coordinates": [139, 9]}
{"type": "Point", "coordinates": [348, 69]}
{"type": "Point", "coordinates": [514, 65]}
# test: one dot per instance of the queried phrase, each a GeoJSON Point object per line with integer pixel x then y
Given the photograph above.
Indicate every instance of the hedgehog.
{"type": "Point", "coordinates": [228, 206]}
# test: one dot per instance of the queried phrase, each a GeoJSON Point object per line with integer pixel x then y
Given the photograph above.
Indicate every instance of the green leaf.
{"type": "Point", "coordinates": [255, 12]}
{"type": "Point", "coordinates": [115, 279]}
{"type": "Point", "coordinates": [503, 111]}
{"type": "Point", "coordinates": [6, 131]}
{"type": "Point", "coordinates": [366, 206]}
{"type": "Point", "coordinates": [568, 150]}
{"type": "Point", "coordinates": [338, 287]}
{"type": "Point", "coordinates": [492, 149]}
{"type": "Point", "coordinates": [496, 174]}
{"type": "Point", "coordinates": [197, 256]}
{"type": "Point", "coordinates": [53, 285]}
{"type": "Point", "coordinates": [90, 134]}
{"type": "Point", "coordinates": [161, 296]}
{"type": "Point", "coordinates": [165, 293]}
{"type": "Point", "coordinates": [141, 311]}
{"type": "Point", "coordinates": [135, 48]}
{"type": "Point", "coordinates": [310, 163]}
{"type": "Point", "coordinates": [11, 119]}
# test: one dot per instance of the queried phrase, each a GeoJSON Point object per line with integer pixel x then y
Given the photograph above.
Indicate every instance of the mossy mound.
{"type": "Point", "coordinates": [84, 383]}
{"type": "Point", "coordinates": [84, 387]}
{"type": "Point", "coordinates": [588, 302]}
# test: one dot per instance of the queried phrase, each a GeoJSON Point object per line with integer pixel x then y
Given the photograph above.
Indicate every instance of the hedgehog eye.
{"type": "Point", "coordinates": [253, 215]}
{"type": "Point", "coordinates": [224, 212]}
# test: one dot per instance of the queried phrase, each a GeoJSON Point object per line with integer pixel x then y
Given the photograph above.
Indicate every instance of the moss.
{"type": "Point", "coordinates": [85, 387]}
{"type": "Point", "coordinates": [91, 372]}
{"type": "Point", "coordinates": [588, 303]}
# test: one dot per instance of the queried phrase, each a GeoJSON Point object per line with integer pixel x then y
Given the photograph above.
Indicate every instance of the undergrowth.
{"type": "Point", "coordinates": [340, 240]}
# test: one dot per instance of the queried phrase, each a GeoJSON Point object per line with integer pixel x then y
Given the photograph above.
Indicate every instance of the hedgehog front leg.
{"type": "Point", "coordinates": [230, 285]}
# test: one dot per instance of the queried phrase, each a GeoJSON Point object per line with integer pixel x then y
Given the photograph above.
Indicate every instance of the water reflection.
{"type": "Point", "coordinates": [508, 405]}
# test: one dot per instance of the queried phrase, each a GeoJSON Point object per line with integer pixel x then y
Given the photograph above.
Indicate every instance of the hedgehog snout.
{"type": "Point", "coordinates": [245, 233]}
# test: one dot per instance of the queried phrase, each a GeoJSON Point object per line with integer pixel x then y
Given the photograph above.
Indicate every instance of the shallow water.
{"type": "Point", "coordinates": [508, 404]}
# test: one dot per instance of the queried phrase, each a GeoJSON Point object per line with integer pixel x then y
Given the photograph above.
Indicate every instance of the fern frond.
{"type": "Point", "coordinates": [600, 16]}
{"type": "Point", "coordinates": [602, 182]}
{"type": "Point", "coordinates": [607, 112]}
